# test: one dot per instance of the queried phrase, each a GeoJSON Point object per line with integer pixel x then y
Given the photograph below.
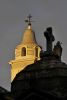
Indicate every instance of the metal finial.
{"type": "Point", "coordinates": [29, 19]}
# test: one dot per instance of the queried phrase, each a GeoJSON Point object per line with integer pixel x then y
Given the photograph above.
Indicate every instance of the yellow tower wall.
{"type": "Point", "coordinates": [17, 66]}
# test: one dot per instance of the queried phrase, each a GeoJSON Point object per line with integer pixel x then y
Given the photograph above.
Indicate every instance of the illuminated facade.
{"type": "Point", "coordinates": [26, 53]}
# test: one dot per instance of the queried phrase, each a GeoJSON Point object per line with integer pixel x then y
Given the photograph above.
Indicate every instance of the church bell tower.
{"type": "Point", "coordinates": [27, 52]}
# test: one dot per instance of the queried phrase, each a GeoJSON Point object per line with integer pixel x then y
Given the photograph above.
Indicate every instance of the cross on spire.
{"type": "Point", "coordinates": [28, 20]}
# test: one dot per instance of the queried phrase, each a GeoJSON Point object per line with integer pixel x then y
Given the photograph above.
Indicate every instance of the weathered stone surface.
{"type": "Point", "coordinates": [48, 76]}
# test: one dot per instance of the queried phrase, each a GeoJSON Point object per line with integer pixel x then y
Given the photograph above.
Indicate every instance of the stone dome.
{"type": "Point", "coordinates": [46, 75]}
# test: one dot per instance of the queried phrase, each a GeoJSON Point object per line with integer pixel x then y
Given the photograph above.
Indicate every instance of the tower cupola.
{"type": "Point", "coordinates": [27, 52]}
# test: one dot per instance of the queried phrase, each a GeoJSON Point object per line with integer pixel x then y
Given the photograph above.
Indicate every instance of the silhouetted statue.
{"type": "Point", "coordinates": [58, 50]}
{"type": "Point", "coordinates": [49, 38]}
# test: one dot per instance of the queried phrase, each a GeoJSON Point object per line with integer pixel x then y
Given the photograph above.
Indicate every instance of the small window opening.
{"type": "Point", "coordinates": [23, 53]}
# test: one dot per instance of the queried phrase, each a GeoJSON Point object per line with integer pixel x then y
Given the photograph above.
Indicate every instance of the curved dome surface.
{"type": "Point", "coordinates": [46, 75]}
{"type": "Point", "coordinates": [29, 36]}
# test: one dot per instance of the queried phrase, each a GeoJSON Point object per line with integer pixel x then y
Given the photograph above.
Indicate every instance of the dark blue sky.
{"type": "Point", "coordinates": [12, 15]}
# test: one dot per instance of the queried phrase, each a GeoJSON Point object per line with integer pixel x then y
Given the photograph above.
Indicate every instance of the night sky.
{"type": "Point", "coordinates": [44, 13]}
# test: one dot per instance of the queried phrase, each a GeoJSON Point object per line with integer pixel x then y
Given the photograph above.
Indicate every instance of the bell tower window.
{"type": "Point", "coordinates": [36, 52]}
{"type": "Point", "coordinates": [23, 53]}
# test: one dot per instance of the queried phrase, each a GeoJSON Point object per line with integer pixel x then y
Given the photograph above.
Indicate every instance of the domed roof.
{"type": "Point", "coordinates": [29, 36]}
{"type": "Point", "coordinates": [46, 75]}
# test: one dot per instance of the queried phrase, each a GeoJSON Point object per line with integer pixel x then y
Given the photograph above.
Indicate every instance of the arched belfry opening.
{"type": "Point", "coordinates": [23, 51]}
{"type": "Point", "coordinates": [36, 52]}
